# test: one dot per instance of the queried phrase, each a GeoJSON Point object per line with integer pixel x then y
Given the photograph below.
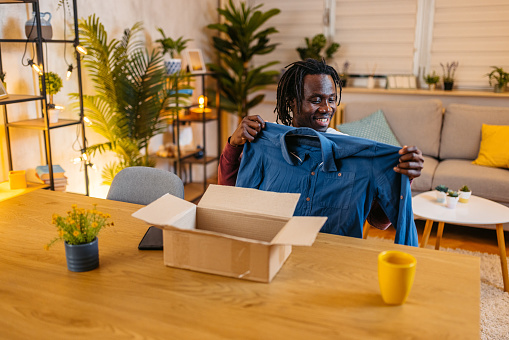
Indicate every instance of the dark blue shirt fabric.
{"type": "Point", "coordinates": [338, 176]}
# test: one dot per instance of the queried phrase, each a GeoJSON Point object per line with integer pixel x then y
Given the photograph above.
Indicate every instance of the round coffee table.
{"type": "Point", "coordinates": [477, 211]}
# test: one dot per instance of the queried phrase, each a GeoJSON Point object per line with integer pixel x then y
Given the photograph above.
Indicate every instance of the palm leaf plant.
{"type": "Point", "coordinates": [130, 93]}
{"type": "Point", "coordinates": [241, 37]}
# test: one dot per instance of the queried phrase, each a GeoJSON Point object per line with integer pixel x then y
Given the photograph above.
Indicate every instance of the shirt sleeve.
{"type": "Point", "coordinates": [229, 163]}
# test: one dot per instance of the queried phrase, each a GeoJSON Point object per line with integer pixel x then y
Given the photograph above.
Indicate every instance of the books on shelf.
{"type": "Point", "coordinates": [42, 172]}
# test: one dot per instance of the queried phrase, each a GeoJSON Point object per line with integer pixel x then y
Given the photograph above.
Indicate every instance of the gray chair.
{"type": "Point", "coordinates": [143, 185]}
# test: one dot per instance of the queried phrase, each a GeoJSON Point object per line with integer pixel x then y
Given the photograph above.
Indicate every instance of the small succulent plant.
{"type": "Point", "coordinates": [452, 193]}
{"type": "Point", "coordinates": [441, 188]}
{"type": "Point", "coordinates": [465, 188]}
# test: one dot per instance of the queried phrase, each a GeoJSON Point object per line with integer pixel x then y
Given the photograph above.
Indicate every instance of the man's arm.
{"type": "Point", "coordinates": [229, 163]}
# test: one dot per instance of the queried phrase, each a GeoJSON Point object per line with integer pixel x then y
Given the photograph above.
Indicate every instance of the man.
{"type": "Point", "coordinates": [307, 97]}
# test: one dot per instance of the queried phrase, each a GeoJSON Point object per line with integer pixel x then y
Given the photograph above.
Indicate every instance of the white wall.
{"type": "Point", "coordinates": [187, 18]}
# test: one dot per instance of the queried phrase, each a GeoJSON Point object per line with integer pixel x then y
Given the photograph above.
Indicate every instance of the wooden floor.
{"type": "Point", "coordinates": [454, 236]}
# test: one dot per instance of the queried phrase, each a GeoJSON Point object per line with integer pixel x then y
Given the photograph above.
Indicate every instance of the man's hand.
{"type": "Point", "coordinates": [411, 162]}
{"type": "Point", "coordinates": [247, 130]}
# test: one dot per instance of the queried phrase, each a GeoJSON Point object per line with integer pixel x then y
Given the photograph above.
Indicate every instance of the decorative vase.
{"type": "Point", "coordinates": [464, 196]}
{"type": "Point", "coordinates": [432, 87]}
{"type": "Point", "coordinates": [173, 66]}
{"type": "Point", "coordinates": [82, 257]}
{"type": "Point", "coordinates": [46, 29]}
{"type": "Point", "coordinates": [448, 85]}
{"type": "Point", "coordinates": [53, 115]}
{"type": "Point", "coordinates": [371, 82]}
{"type": "Point", "coordinates": [451, 202]}
{"type": "Point", "coordinates": [499, 89]}
{"type": "Point", "coordinates": [441, 196]}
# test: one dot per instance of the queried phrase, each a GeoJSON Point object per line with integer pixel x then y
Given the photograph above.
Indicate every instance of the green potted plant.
{"type": "Point", "coordinates": [172, 48]}
{"type": "Point", "coordinates": [314, 47]}
{"type": "Point", "coordinates": [452, 199]}
{"type": "Point", "coordinates": [498, 78]}
{"type": "Point", "coordinates": [79, 230]}
{"type": "Point", "coordinates": [240, 38]}
{"type": "Point", "coordinates": [448, 74]}
{"type": "Point", "coordinates": [431, 79]}
{"type": "Point", "coordinates": [131, 91]}
{"type": "Point", "coordinates": [464, 194]}
{"type": "Point", "coordinates": [441, 192]}
{"type": "Point", "coordinates": [53, 86]}
{"type": "Point", "coordinates": [344, 74]}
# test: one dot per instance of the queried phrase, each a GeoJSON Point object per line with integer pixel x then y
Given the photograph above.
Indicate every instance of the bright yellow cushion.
{"type": "Point", "coordinates": [494, 150]}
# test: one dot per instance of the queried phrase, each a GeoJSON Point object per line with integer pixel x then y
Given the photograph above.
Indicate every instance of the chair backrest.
{"type": "Point", "coordinates": [143, 185]}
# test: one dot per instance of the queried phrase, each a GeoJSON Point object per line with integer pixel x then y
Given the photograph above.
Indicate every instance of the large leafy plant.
{"type": "Point", "coordinates": [314, 48]}
{"type": "Point", "coordinates": [130, 93]}
{"type": "Point", "coordinates": [241, 38]}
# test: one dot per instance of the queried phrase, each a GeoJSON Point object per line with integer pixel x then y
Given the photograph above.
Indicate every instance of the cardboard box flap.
{"type": "Point", "coordinates": [168, 210]}
{"type": "Point", "coordinates": [249, 200]}
{"type": "Point", "coordinates": [300, 231]}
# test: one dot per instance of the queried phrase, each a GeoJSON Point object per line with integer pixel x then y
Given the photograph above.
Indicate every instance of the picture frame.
{"type": "Point", "coordinates": [194, 58]}
{"type": "Point", "coordinates": [3, 91]}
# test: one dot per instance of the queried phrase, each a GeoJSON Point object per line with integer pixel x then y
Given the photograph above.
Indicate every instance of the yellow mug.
{"type": "Point", "coordinates": [17, 179]}
{"type": "Point", "coordinates": [396, 272]}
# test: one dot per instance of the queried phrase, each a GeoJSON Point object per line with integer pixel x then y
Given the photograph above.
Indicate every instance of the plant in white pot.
{"type": "Point", "coordinates": [432, 80]}
{"type": "Point", "coordinates": [452, 199]}
{"type": "Point", "coordinates": [172, 48]}
{"type": "Point", "coordinates": [53, 86]}
{"type": "Point", "coordinates": [464, 194]}
{"type": "Point", "coordinates": [441, 192]}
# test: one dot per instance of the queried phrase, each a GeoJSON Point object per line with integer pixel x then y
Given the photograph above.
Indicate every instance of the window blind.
{"type": "Point", "coordinates": [475, 33]}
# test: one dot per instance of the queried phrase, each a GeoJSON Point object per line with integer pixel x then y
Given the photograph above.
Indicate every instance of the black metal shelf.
{"type": "Point", "coordinates": [43, 124]}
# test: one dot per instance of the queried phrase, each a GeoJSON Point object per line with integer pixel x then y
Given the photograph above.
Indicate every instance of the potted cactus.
{"type": "Point", "coordinates": [441, 192]}
{"type": "Point", "coordinates": [452, 199]}
{"type": "Point", "coordinates": [464, 194]}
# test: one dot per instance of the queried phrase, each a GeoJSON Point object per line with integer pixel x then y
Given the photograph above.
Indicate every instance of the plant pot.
{"type": "Point", "coordinates": [371, 82]}
{"type": "Point", "coordinates": [464, 196]}
{"type": "Point", "coordinates": [440, 196]}
{"type": "Point", "coordinates": [432, 87]}
{"type": "Point", "coordinates": [46, 29]}
{"type": "Point", "coordinates": [53, 115]}
{"type": "Point", "coordinates": [451, 202]}
{"type": "Point", "coordinates": [448, 85]}
{"type": "Point", "coordinates": [173, 66]}
{"type": "Point", "coordinates": [82, 257]}
{"type": "Point", "coordinates": [499, 89]}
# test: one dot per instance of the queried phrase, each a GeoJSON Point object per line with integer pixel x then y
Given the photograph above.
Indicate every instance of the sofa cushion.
{"type": "Point", "coordinates": [487, 182]}
{"type": "Point", "coordinates": [424, 182]}
{"type": "Point", "coordinates": [415, 122]}
{"type": "Point", "coordinates": [372, 127]}
{"type": "Point", "coordinates": [494, 150]}
{"type": "Point", "coordinates": [461, 133]}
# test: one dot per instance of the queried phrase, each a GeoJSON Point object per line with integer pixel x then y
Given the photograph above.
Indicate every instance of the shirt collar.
{"type": "Point", "coordinates": [327, 147]}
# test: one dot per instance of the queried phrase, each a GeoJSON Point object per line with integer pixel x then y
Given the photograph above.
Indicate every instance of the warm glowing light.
{"type": "Point", "coordinates": [69, 72]}
{"type": "Point", "coordinates": [201, 102]}
{"type": "Point", "coordinates": [35, 67]}
{"type": "Point", "coordinates": [88, 121]}
{"type": "Point", "coordinates": [81, 50]}
{"type": "Point", "coordinates": [58, 107]}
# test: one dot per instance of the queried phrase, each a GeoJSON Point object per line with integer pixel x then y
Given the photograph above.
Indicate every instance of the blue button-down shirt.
{"type": "Point", "coordinates": [338, 176]}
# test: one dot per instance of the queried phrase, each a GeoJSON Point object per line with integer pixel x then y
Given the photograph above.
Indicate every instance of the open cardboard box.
{"type": "Point", "coordinates": [237, 232]}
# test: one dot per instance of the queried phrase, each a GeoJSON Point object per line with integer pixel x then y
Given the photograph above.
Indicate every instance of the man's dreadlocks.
{"type": "Point", "coordinates": [291, 86]}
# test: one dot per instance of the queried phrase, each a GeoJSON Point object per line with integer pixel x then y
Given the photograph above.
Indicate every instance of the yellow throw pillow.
{"type": "Point", "coordinates": [494, 150]}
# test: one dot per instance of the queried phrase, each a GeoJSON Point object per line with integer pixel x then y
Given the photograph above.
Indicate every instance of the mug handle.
{"type": "Point", "coordinates": [46, 13]}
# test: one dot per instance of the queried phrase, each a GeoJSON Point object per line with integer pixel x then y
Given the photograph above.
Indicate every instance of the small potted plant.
{"type": "Point", "coordinates": [432, 80]}
{"type": "Point", "coordinates": [464, 194]}
{"type": "Point", "coordinates": [53, 86]}
{"type": "Point", "coordinates": [452, 199]}
{"type": "Point", "coordinates": [441, 192]}
{"type": "Point", "coordinates": [172, 49]}
{"type": "Point", "coordinates": [343, 76]}
{"type": "Point", "coordinates": [314, 48]}
{"type": "Point", "coordinates": [498, 78]}
{"type": "Point", "coordinates": [448, 77]}
{"type": "Point", "coordinates": [79, 230]}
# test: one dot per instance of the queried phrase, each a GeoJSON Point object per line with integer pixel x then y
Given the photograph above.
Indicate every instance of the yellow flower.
{"type": "Point", "coordinates": [76, 233]}
{"type": "Point", "coordinates": [74, 206]}
{"type": "Point", "coordinates": [94, 224]}
{"type": "Point", "coordinates": [61, 233]}
{"type": "Point", "coordinates": [46, 246]}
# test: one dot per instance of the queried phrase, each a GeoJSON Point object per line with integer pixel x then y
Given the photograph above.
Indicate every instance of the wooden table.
{"type": "Point", "coordinates": [478, 211]}
{"type": "Point", "coordinates": [327, 291]}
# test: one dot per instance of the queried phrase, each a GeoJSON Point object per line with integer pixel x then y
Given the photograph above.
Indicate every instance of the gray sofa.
{"type": "Point", "coordinates": [449, 140]}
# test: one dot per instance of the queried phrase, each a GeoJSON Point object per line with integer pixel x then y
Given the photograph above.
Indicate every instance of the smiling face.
{"type": "Point", "coordinates": [318, 103]}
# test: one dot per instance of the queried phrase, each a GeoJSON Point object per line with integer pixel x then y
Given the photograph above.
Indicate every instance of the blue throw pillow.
{"type": "Point", "coordinates": [372, 127]}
